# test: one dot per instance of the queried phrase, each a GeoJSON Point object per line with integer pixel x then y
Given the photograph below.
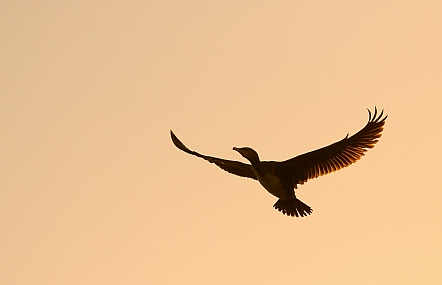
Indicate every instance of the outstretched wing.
{"type": "Point", "coordinates": [234, 167]}
{"type": "Point", "coordinates": [338, 155]}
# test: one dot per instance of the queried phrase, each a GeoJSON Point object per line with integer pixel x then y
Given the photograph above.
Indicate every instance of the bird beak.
{"type": "Point", "coordinates": [235, 148]}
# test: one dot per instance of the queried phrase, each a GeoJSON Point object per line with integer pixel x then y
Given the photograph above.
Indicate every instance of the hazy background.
{"type": "Point", "coordinates": [92, 191]}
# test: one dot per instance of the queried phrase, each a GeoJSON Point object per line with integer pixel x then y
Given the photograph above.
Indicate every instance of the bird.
{"type": "Point", "coordinates": [281, 178]}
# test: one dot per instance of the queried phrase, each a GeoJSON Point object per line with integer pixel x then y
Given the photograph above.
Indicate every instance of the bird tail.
{"type": "Point", "coordinates": [292, 207]}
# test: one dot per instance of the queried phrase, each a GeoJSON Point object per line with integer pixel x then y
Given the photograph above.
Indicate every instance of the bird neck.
{"type": "Point", "coordinates": [255, 162]}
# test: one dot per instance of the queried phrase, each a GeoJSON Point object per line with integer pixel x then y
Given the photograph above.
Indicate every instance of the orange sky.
{"type": "Point", "coordinates": [92, 191]}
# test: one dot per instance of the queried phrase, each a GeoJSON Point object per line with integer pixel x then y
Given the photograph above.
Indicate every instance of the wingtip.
{"type": "Point", "coordinates": [174, 137]}
{"type": "Point", "coordinates": [375, 117]}
{"type": "Point", "coordinates": [176, 141]}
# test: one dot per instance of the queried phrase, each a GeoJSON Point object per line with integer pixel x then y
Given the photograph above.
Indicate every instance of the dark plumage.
{"type": "Point", "coordinates": [281, 178]}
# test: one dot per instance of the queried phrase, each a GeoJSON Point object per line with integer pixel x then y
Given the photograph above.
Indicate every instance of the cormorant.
{"type": "Point", "coordinates": [280, 178]}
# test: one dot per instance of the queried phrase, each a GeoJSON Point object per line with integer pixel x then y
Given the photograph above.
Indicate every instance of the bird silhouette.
{"type": "Point", "coordinates": [280, 178]}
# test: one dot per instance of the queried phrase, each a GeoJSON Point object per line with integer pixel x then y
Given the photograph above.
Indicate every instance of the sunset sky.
{"type": "Point", "coordinates": [92, 190]}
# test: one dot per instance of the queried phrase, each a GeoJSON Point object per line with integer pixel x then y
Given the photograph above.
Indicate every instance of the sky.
{"type": "Point", "coordinates": [92, 190]}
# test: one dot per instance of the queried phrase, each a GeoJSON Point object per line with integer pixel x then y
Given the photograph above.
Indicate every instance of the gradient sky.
{"type": "Point", "coordinates": [92, 191]}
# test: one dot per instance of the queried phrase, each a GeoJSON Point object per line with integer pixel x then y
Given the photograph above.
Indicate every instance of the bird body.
{"type": "Point", "coordinates": [280, 178]}
{"type": "Point", "coordinates": [273, 185]}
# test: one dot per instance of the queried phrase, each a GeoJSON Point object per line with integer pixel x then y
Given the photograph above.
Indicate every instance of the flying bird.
{"type": "Point", "coordinates": [280, 178]}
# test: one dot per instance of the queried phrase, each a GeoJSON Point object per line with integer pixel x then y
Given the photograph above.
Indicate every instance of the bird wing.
{"type": "Point", "coordinates": [338, 155]}
{"type": "Point", "coordinates": [234, 167]}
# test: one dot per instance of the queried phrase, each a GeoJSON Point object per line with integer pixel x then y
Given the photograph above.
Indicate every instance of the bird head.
{"type": "Point", "coordinates": [248, 153]}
